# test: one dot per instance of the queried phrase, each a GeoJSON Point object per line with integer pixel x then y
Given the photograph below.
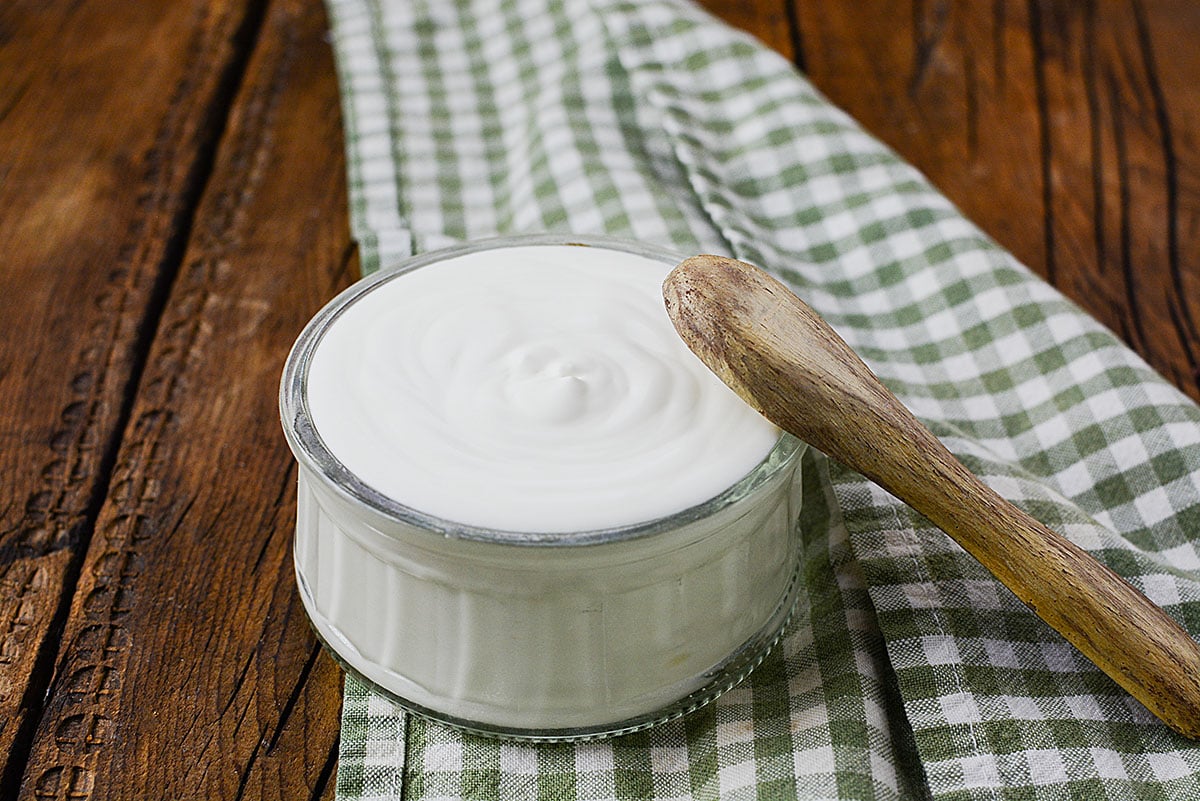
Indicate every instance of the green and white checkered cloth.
{"type": "Point", "coordinates": [909, 672]}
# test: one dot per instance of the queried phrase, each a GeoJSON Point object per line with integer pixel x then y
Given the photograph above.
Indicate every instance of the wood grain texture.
{"type": "Point", "coordinates": [107, 116]}
{"type": "Point", "coordinates": [150, 638]}
{"type": "Point", "coordinates": [1069, 131]}
{"type": "Point", "coordinates": [787, 363]}
{"type": "Point", "coordinates": [187, 668]}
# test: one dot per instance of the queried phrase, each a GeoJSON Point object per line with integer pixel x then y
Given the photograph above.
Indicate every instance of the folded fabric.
{"type": "Point", "coordinates": [908, 672]}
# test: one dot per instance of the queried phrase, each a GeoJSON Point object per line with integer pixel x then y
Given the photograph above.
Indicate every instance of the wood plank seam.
{"type": "Point", "coordinates": [57, 523]}
{"type": "Point", "coordinates": [132, 515]}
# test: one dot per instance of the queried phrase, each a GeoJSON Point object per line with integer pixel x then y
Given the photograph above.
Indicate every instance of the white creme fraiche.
{"type": "Point", "coordinates": [524, 506]}
{"type": "Point", "coordinates": [538, 389]}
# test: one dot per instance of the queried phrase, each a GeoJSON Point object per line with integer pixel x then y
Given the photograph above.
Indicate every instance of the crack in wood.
{"type": "Point", "coordinates": [348, 265]}
{"type": "Point", "coordinates": [325, 777]}
{"type": "Point", "coordinates": [795, 34]}
{"type": "Point", "coordinates": [1045, 140]}
{"type": "Point", "coordinates": [928, 29]}
{"type": "Point", "coordinates": [237, 685]}
{"type": "Point", "coordinates": [971, 102]}
{"type": "Point", "coordinates": [294, 696]}
{"type": "Point", "coordinates": [1182, 318]}
{"type": "Point", "coordinates": [1095, 136]}
{"type": "Point", "coordinates": [1131, 323]}
{"type": "Point", "coordinates": [999, 50]}
{"type": "Point", "coordinates": [244, 779]}
{"type": "Point", "coordinates": [1174, 303]}
{"type": "Point", "coordinates": [15, 98]}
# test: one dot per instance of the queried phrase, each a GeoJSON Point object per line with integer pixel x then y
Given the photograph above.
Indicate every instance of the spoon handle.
{"type": "Point", "coordinates": [785, 361]}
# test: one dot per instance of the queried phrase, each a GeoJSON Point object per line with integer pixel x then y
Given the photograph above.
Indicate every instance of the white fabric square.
{"type": "Point", "coordinates": [979, 770]}
{"type": "Point", "coordinates": [444, 756]}
{"type": "Point", "coordinates": [940, 650]}
{"type": "Point", "coordinates": [594, 758]}
{"type": "Point", "coordinates": [737, 776]}
{"type": "Point", "coordinates": [1167, 766]}
{"type": "Point", "coordinates": [814, 761]}
{"type": "Point", "coordinates": [1109, 764]}
{"type": "Point", "coordinates": [518, 758]}
{"type": "Point", "coordinates": [1046, 766]}
{"type": "Point", "coordinates": [669, 759]}
{"type": "Point", "coordinates": [960, 708]}
{"type": "Point", "coordinates": [1022, 707]}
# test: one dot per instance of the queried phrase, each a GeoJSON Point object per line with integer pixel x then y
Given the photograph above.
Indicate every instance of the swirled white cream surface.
{"type": "Point", "coordinates": [534, 388]}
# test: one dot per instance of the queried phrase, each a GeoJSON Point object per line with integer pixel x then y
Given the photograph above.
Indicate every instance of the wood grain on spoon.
{"type": "Point", "coordinates": [785, 361]}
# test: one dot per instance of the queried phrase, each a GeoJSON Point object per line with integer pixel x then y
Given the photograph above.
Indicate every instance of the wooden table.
{"type": "Point", "coordinates": [173, 209]}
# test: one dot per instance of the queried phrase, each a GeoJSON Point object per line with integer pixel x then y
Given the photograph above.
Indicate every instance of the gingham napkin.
{"type": "Point", "coordinates": [909, 672]}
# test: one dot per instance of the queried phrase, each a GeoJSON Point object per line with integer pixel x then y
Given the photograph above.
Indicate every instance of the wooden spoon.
{"type": "Point", "coordinates": [785, 361]}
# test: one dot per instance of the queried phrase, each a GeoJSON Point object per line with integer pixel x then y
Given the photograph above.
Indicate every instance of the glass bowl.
{"type": "Point", "coordinates": [537, 635]}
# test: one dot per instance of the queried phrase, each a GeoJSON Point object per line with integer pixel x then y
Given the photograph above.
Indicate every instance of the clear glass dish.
{"type": "Point", "coordinates": [544, 636]}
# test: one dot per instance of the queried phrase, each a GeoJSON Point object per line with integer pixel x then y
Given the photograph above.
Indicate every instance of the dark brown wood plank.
{"type": "Point", "coordinates": [1070, 132]}
{"type": "Point", "coordinates": [187, 668]}
{"type": "Point", "coordinates": [107, 113]}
